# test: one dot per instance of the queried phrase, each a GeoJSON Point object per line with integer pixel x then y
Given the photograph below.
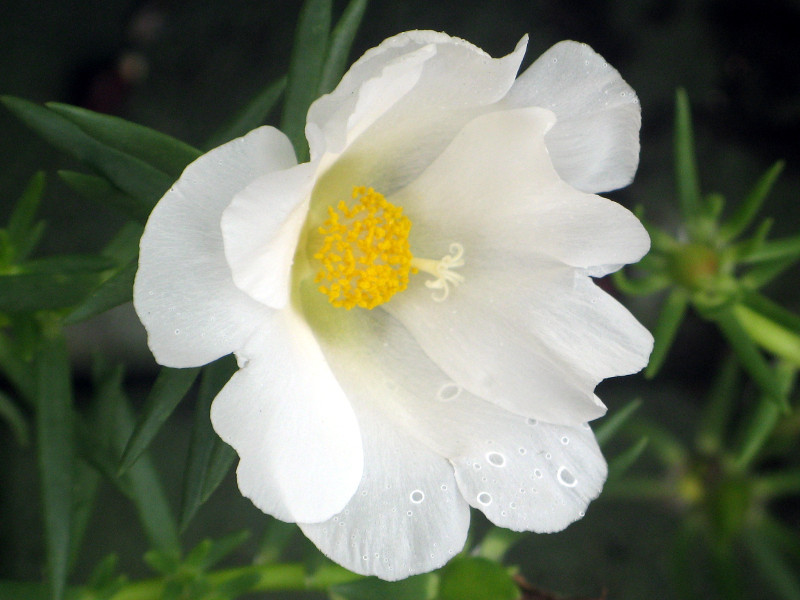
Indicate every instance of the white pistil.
{"type": "Point", "coordinates": [441, 269]}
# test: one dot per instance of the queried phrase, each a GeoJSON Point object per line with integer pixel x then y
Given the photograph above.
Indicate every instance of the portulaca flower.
{"type": "Point", "coordinates": [412, 310]}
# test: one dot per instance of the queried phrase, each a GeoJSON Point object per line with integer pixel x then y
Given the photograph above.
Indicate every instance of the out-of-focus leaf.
{"type": "Point", "coordinates": [130, 174]}
{"type": "Point", "coordinates": [84, 493]}
{"type": "Point", "coordinates": [101, 192]}
{"type": "Point", "coordinates": [17, 369]}
{"type": "Point", "coordinates": [611, 424]}
{"type": "Point", "coordinates": [774, 568]}
{"type": "Point", "coordinates": [204, 439]}
{"type": "Point", "coordinates": [116, 290]}
{"type": "Point", "coordinates": [55, 441]}
{"type": "Point", "coordinates": [222, 457]}
{"type": "Point", "coordinates": [341, 41]}
{"type": "Point", "coordinates": [251, 116]}
{"type": "Point", "coordinates": [623, 461]}
{"type": "Point", "coordinates": [277, 536]}
{"type": "Point", "coordinates": [763, 273]}
{"type": "Point", "coordinates": [419, 587]}
{"type": "Point", "coordinates": [769, 334]}
{"type": "Point", "coordinates": [125, 244]}
{"type": "Point", "coordinates": [140, 483]}
{"type": "Point", "coordinates": [29, 292]}
{"type": "Point", "coordinates": [473, 578]}
{"type": "Point", "coordinates": [209, 552]}
{"type": "Point", "coordinates": [669, 320]}
{"type": "Point", "coordinates": [643, 286]}
{"type": "Point", "coordinates": [719, 407]}
{"type": "Point", "coordinates": [70, 263]}
{"type": "Point", "coordinates": [748, 209]}
{"type": "Point", "coordinates": [305, 71]}
{"type": "Point", "coordinates": [169, 389]}
{"type": "Point", "coordinates": [162, 151]}
{"type": "Point", "coordinates": [497, 542]}
{"type": "Point", "coordinates": [23, 233]}
{"type": "Point", "coordinates": [12, 415]}
{"type": "Point", "coordinates": [685, 164]}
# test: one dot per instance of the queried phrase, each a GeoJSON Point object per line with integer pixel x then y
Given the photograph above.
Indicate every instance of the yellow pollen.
{"type": "Point", "coordinates": [365, 254]}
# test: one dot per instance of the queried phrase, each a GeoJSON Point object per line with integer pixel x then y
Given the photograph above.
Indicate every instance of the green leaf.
{"type": "Point", "coordinates": [222, 457]}
{"type": "Point", "coordinates": [610, 425]}
{"type": "Point", "coordinates": [251, 116]}
{"type": "Point", "coordinates": [56, 456]}
{"type": "Point", "coordinates": [472, 578]}
{"type": "Point", "coordinates": [305, 71]}
{"type": "Point", "coordinates": [29, 292]}
{"type": "Point", "coordinates": [128, 173]}
{"type": "Point", "coordinates": [162, 151]}
{"type": "Point", "coordinates": [781, 575]}
{"type": "Point", "coordinates": [764, 273]}
{"type": "Point", "coordinates": [419, 587]}
{"type": "Point", "coordinates": [770, 334]}
{"type": "Point", "coordinates": [169, 389]}
{"type": "Point", "coordinates": [775, 250]}
{"type": "Point", "coordinates": [623, 461]}
{"type": "Point", "coordinates": [100, 191]}
{"type": "Point", "coordinates": [84, 494]}
{"type": "Point", "coordinates": [341, 41]}
{"type": "Point", "coordinates": [748, 209]}
{"type": "Point", "coordinates": [497, 542]}
{"type": "Point", "coordinates": [16, 368]}
{"type": "Point", "coordinates": [23, 233]}
{"type": "Point", "coordinates": [669, 320]}
{"type": "Point", "coordinates": [12, 415]}
{"type": "Point", "coordinates": [719, 406]}
{"type": "Point", "coordinates": [204, 440]}
{"type": "Point", "coordinates": [277, 536]}
{"type": "Point", "coordinates": [685, 163]}
{"type": "Point", "coordinates": [750, 357]}
{"type": "Point", "coordinates": [209, 552]}
{"type": "Point", "coordinates": [114, 291]}
{"type": "Point", "coordinates": [140, 483]}
{"type": "Point", "coordinates": [643, 286]}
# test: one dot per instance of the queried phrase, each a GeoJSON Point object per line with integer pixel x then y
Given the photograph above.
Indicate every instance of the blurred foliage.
{"type": "Point", "coordinates": [728, 482]}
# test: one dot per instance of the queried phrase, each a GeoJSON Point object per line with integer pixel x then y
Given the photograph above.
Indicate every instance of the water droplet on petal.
{"type": "Point", "coordinates": [565, 440]}
{"type": "Point", "coordinates": [484, 498]}
{"type": "Point", "coordinates": [444, 488]}
{"type": "Point", "coordinates": [448, 392]}
{"type": "Point", "coordinates": [522, 450]}
{"type": "Point", "coordinates": [417, 496]}
{"type": "Point", "coordinates": [548, 456]}
{"type": "Point", "coordinates": [409, 513]}
{"type": "Point", "coordinates": [177, 332]}
{"type": "Point", "coordinates": [565, 477]}
{"type": "Point", "coordinates": [537, 473]}
{"type": "Point", "coordinates": [496, 459]}
{"type": "Point", "coordinates": [532, 422]}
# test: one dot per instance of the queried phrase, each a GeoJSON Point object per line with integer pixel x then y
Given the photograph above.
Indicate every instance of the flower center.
{"type": "Point", "coordinates": [366, 258]}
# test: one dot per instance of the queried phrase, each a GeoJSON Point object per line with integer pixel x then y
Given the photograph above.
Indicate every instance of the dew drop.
{"type": "Point", "coordinates": [417, 496]}
{"type": "Point", "coordinates": [503, 513]}
{"type": "Point", "coordinates": [496, 459]}
{"type": "Point", "coordinates": [365, 557]}
{"type": "Point", "coordinates": [364, 492]}
{"type": "Point", "coordinates": [548, 456]}
{"type": "Point", "coordinates": [537, 473]}
{"type": "Point", "coordinates": [444, 488]}
{"type": "Point", "coordinates": [565, 440]}
{"type": "Point", "coordinates": [581, 514]}
{"type": "Point", "coordinates": [448, 392]}
{"type": "Point", "coordinates": [513, 505]}
{"type": "Point", "coordinates": [177, 332]}
{"type": "Point", "coordinates": [477, 466]}
{"type": "Point", "coordinates": [409, 513]}
{"type": "Point", "coordinates": [532, 422]}
{"type": "Point", "coordinates": [565, 477]}
{"type": "Point", "coordinates": [522, 451]}
{"type": "Point", "coordinates": [484, 498]}
{"type": "Point", "coordinates": [151, 293]}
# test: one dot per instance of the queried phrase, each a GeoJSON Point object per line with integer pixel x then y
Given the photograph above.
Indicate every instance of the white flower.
{"type": "Point", "coordinates": [375, 430]}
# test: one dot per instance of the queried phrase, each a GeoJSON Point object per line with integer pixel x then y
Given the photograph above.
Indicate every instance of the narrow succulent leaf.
{"type": "Point", "coordinates": [124, 246]}
{"type": "Point", "coordinates": [169, 389]}
{"type": "Point", "coordinates": [54, 421]}
{"type": "Point", "coordinates": [100, 191]}
{"type": "Point", "coordinates": [162, 151]}
{"type": "Point", "coordinates": [219, 549]}
{"type": "Point", "coordinates": [765, 273]}
{"type": "Point", "coordinates": [16, 369]}
{"type": "Point", "coordinates": [778, 484]}
{"type": "Point", "coordinates": [29, 243]}
{"type": "Point", "coordinates": [305, 70]}
{"type": "Point", "coordinates": [750, 357]}
{"type": "Point", "coordinates": [21, 221]}
{"type": "Point", "coordinates": [644, 286]}
{"type": "Point", "coordinates": [114, 291]}
{"type": "Point", "coordinates": [237, 586]}
{"type": "Point", "coordinates": [252, 115]}
{"type": "Point", "coordinates": [476, 579]}
{"type": "Point", "coordinates": [277, 536]}
{"type": "Point", "coordinates": [204, 440]}
{"type": "Point", "coordinates": [612, 424]}
{"type": "Point", "coordinates": [752, 246]}
{"type": "Point", "coordinates": [669, 320]}
{"type": "Point", "coordinates": [341, 41]}
{"type": "Point", "coordinates": [222, 458]}
{"type": "Point", "coordinates": [719, 406]}
{"type": "Point", "coordinates": [685, 164]}
{"type": "Point", "coordinates": [773, 567]}
{"type": "Point", "coordinates": [29, 292]}
{"type": "Point", "coordinates": [140, 483]}
{"type": "Point", "coordinates": [748, 209]}
{"type": "Point", "coordinates": [618, 465]}
{"type": "Point", "coordinates": [130, 174]}
{"type": "Point", "coordinates": [85, 486]}
{"type": "Point", "coordinates": [68, 263]}
{"type": "Point", "coordinates": [770, 334]}
{"type": "Point", "coordinates": [16, 421]}
{"type": "Point", "coordinates": [786, 248]}
{"type": "Point", "coordinates": [759, 426]}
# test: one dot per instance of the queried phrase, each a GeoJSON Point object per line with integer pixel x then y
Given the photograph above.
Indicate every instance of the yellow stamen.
{"type": "Point", "coordinates": [365, 254]}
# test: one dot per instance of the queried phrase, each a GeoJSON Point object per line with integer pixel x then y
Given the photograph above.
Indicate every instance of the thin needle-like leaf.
{"type": "Point", "coordinates": [609, 427]}
{"type": "Point", "coordinates": [54, 421]}
{"type": "Point", "coordinates": [13, 417]}
{"type": "Point", "coordinates": [748, 209]}
{"type": "Point", "coordinates": [341, 41]}
{"type": "Point", "coordinates": [685, 164]}
{"type": "Point", "coordinates": [169, 389]}
{"type": "Point", "coordinates": [100, 191]}
{"type": "Point", "coordinates": [305, 70]}
{"type": "Point", "coordinates": [623, 461]}
{"type": "Point", "coordinates": [669, 320]}
{"type": "Point", "coordinates": [773, 567]}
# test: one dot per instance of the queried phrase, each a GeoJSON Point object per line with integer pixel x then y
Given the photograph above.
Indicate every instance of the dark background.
{"type": "Point", "coordinates": [183, 68]}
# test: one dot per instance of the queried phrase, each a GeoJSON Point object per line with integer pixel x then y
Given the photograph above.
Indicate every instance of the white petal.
{"type": "Point", "coordinates": [406, 517]}
{"type": "Point", "coordinates": [595, 142]}
{"type": "Point", "coordinates": [297, 437]}
{"type": "Point", "coordinates": [260, 229]}
{"type": "Point", "coordinates": [184, 294]}
{"type": "Point", "coordinates": [495, 187]}
{"type": "Point", "coordinates": [416, 127]}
